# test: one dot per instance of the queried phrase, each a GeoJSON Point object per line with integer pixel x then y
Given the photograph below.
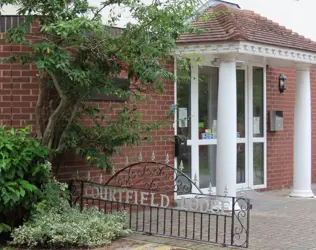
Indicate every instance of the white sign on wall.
{"type": "Point", "coordinates": [183, 117]}
{"type": "Point", "coordinates": [256, 126]}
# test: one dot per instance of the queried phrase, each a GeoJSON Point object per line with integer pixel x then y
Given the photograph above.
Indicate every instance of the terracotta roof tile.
{"type": "Point", "coordinates": [231, 24]}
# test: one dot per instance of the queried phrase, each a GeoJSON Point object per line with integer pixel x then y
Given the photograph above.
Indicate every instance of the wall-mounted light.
{"type": "Point", "coordinates": [282, 83]}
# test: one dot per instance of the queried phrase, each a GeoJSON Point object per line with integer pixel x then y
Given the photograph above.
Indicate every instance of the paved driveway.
{"type": "Point", "coordinates": [281, 222]}
{"type": "Point", "coordinates": [277, 222]}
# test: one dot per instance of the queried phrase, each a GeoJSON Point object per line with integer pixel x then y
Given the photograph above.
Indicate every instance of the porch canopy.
{"type": "Point", "coordinates": [233, 36]}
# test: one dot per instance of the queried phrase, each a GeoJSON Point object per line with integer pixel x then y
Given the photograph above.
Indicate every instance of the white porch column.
{"type": "Point", "coordinates": [302, 136]}
{"type": "Point", "coordinates": [212, 99]}
{"type": "Point", "coordinates": [226, 159]}
{"type": "Point", "coordinates": [195, 174]}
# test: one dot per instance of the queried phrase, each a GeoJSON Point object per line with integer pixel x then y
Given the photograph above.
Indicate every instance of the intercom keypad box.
{"type": "Point", "coordinates": [276, 120]}
{"type": "Point", "coordinates": [180, 145]}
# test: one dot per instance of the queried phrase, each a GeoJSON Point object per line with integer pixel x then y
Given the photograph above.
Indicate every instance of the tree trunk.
{"type": "Point", "coordinates": [49, 130]}
{"type": "Point", "coordinates": [61, 143]}
{"type": "Point", "coordinates": [39, 105]}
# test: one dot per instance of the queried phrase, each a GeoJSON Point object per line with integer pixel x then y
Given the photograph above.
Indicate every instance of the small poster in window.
{"type": "Point", "coordinates": [183, 117]}
{"type": "Point", "coordinates": [256, 126]}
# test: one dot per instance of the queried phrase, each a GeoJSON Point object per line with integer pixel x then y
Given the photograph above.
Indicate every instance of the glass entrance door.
{"type": "Point", "coordinates": [197, 99]}
{"type": "Point", "coordinates": [207, 141]}
{"type": "Point", "coordinates": [207, 122]}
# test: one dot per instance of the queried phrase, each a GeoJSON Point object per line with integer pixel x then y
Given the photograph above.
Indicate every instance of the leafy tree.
{"type": "Point", "coordinates": [78, 56]}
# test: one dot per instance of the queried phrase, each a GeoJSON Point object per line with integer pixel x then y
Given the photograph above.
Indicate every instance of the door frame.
{"type": "Point", "coordinates": [253, 139]}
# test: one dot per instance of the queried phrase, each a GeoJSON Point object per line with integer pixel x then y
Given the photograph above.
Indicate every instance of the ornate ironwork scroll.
{"type": "Point", "coordinates": [153, 176]}
{"type": "Point", "coordinates": [240, 227]}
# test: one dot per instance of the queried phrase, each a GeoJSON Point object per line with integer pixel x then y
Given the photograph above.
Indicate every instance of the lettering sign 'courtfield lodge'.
{"type": "Point", "coordinates": [239, 127]}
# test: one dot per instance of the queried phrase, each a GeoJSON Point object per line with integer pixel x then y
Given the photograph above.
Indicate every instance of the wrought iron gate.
{"type": "Point", "coordinates": [161, 200]}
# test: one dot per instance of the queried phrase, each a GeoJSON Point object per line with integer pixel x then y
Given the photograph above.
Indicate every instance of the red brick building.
{"type": "Point", "coordinates": [273, 142]}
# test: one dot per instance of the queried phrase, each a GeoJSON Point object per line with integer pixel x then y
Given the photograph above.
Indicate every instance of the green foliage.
{"type": "Point", "coordinates": [4, 228]}
{"type": "Point", "coordinates": [53, 194]}
{"type": "Point", "coordinates": [23, 170]}
{"type": "Point", "coordinates": [64, 226]}
{"type": "Point", "coordinates": [79, 56]}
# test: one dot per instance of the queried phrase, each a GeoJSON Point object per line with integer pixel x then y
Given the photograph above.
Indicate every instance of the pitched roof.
{"type": "Point", "coordinates": [231, 24]}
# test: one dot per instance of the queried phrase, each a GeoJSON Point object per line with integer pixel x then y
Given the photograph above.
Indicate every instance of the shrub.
{"type": "Point", "coordinates": [24, 170]}
{"type": "Point", "coordinates": [53, 195]}
{"type": "Point", "coordinates": [65, 226]}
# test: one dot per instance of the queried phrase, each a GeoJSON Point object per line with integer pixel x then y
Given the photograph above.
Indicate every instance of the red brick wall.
{"type": "Point", "coordinates": [280, 144]}
{"type": "Point", "coordinates": [18, 91]}
{"type": "Point", "coordinates": [18, 87]}
{"type": "Point", "coordinates": [153, 109]}
{"type": "Point", "coordinates": [18, 96]}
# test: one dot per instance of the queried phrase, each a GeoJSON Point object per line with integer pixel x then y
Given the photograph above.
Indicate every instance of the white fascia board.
{"type": "Point", "coordinates": [247, 48]}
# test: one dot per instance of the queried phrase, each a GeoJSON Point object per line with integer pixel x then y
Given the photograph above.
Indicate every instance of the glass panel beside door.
{"type": "Point", "coordinates": [258, 126]}
{"type": "Point", "coordinates": [183, 122]}
{"type": "Point", "coordinates": [258, 164]}
{"type": "Point", "coordinates": [207, 166]}
{"type": "Point", "coordinates": [208, 98]}
{"type": "Point", "coordinates": [258, 102]}
{"type": "Point", "coordinates": [241, 104]}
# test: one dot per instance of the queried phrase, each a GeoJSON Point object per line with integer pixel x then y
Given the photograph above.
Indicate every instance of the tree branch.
{"type": "Point", "coordinates": [54, 116]}
{"type": "Point", "coordinates": [105, 4]}
{"type": "Point", "coordinates": [63, 136]}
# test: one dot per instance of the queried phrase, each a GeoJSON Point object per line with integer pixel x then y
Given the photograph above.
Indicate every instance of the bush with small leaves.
{"type": "Point", "coordinates": [65, 226]}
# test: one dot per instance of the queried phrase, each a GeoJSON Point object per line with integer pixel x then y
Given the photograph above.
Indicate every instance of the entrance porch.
{"type": "Point", "coordinates": [226, 110]}
{"type": "Point", "coordinates": [222, 110]}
